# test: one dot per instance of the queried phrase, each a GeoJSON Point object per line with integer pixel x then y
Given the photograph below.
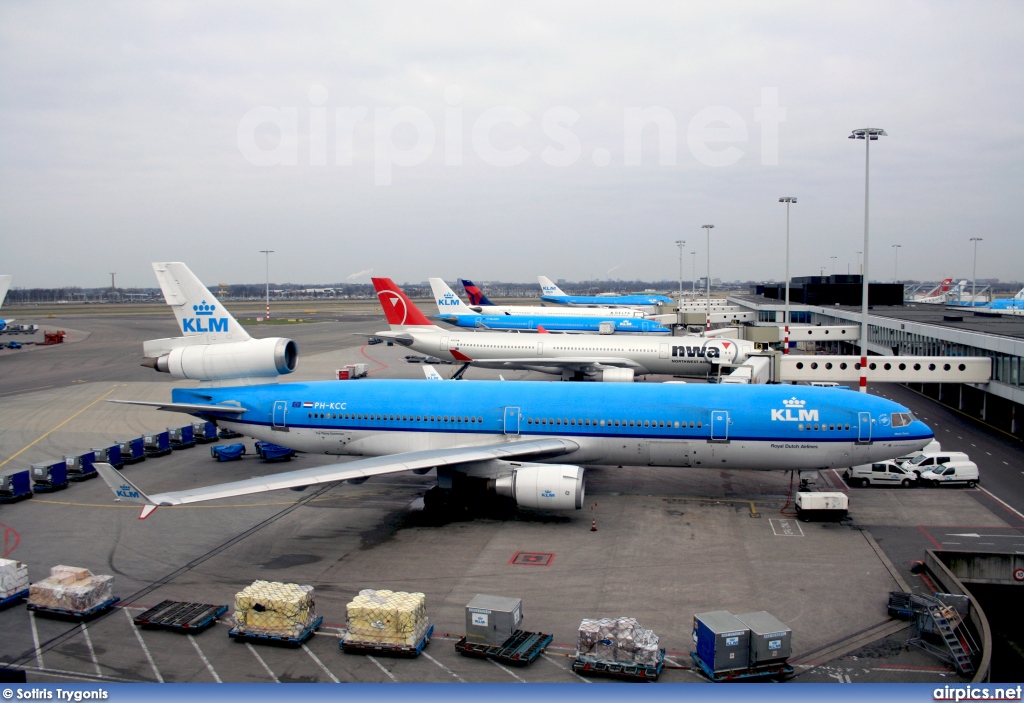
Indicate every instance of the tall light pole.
{"type": "Point", "coordinates": [860, 267]}
{"type": "Point", "coordinates": [974, 275]}
{"type": "Point", "coordinates": [693, 281]}
{"type": "Point", "coordinates": [833, 265]}
{"type": "Point", "coordinates": [680, 243]}
{"type": "Point", "coordinates": [868, 134]}
{"type": "Point", "coordinates": [708, 229]}
{"type": "Point", "coordinates": [268, 252]}
{"type": "Point", "coordinates": [896, 262]}
{"type": "Point", "coordinates": [785, 342]}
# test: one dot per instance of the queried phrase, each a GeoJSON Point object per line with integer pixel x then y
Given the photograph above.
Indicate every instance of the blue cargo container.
{"type": "Point", "coordinates": [80, 466]}
{"type": "Point", "coordinates": [204, 432]}
{"type": "Point", "coordinates": [157, 444]}
{"type": "Point", "coordinates": [181, 437]}
{"type": "Point", "coordinates": [723, 642]}
{"type": "Point", "coordinates": [15, 486]}
{"type": "Point", "coordinates": [227, 452]}
{"type": "Point", "coordinates": [49, 477]}
{"type": "Point", "coordinates": [132, 450]}
{"type": "Point", "coordinates": [272, 452]}
{"type": "Point", "coordinates": [109, 455]}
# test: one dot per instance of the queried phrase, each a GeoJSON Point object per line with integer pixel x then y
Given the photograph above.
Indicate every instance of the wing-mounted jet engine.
{"type": "Point", "coordinates": [214, 346]}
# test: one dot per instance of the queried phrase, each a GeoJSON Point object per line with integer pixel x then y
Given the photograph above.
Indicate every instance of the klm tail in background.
{"type": "Point", "coordinates": [447, 301]}
{"type": "Point", "coordinates": [476, 296]}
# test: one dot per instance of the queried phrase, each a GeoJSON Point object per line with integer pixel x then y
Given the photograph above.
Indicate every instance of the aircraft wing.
{"type": "Point", "coordinates": [124, 489]}
{"type": "Point", "coordinates": [186, 407]}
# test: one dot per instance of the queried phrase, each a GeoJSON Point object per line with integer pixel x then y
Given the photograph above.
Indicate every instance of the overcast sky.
{"type": "Point", "coordinates": [502, 140]}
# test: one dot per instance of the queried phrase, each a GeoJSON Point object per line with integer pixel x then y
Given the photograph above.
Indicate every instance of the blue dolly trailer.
{"type": "Point", "coordinates": [181, 437]}
{"type": "Point", "coordinates": [65, 614]}
{"type": "Point", "coordinates": [109, 455]}
{"type": "Point", "coordinates": [47, 478]}
{"type": "Point", "coordinates": [132, 450]}
{"type": "Point", "coordinates": [280, 640]}
{"type": "Point", "coordinates": [354, 646]}
{"type": "Point", "coordinates": [15, 486]}
{"type": "Point", "coordinates": [157, 444]}
{"type": "Point", "coordinates": [628, 671]}
{"type": "Point", "coordinates": [179, 616]}
{"type": "Point", "coordinates": [520, 649]}
{"type": "Point", "coordinates": [80, 466]}
{"type": "Point", "coordinates": [204, 431]}
{"type": "Point", "coordinates": [272, 452]}
{"type": "Point", "coordinates": [227, 452]}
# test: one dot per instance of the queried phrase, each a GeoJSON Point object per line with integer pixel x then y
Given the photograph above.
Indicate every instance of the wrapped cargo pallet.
{"type": "Point", "coordinates": [387, 617]}
{"type": "Point", "coordinates": [618, 640]}
{"type": "Point", "coordinates": [13, 577]}
{"type": "Point", "coordinates": [276, 609]}
{"type": "Point", "coordinates": [71, 588]}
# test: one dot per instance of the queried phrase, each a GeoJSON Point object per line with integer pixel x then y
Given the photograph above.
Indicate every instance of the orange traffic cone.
{"type": "Point", "coordinates": [593, 525]}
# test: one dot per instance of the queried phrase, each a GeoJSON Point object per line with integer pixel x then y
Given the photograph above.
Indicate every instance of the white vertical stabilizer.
{"type": "Point", "coordinates": [549, 288]}
{"type": "Point", "coordinates": [447, 301]}
{"type": "Point", "coordinates": [199, 313]}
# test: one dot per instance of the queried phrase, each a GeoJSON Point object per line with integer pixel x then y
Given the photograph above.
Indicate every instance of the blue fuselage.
{"type": "Point", "coordinates": [555, 323]}
{"type": "Point", "coordinates": [619, 300]}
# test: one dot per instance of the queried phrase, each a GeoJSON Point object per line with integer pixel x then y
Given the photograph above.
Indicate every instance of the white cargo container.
{"type": "Point", "coordinates": [821, 505]}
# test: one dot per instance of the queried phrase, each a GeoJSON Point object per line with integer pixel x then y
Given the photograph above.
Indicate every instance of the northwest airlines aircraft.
{"type": "Point", "coordinates": [523, 440]}
{"type": "Point", "coordinates": [596, 356]}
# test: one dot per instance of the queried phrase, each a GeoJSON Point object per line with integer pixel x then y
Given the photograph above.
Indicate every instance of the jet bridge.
{"type": "Point", "coordinates": [775, 367]}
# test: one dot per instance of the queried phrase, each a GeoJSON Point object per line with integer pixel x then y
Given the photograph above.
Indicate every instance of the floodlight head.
{"type": "Point", "coordinates": [872, 133]}
{"type": "Point", "coordinates": [707, 226]}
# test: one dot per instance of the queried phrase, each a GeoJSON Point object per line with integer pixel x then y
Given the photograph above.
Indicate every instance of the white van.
{"type": "Point", "coordinates": [952, 473]}
{"type": "Point", "coordinates": [932, 446]}
{"type": "Point", "coordinates": [881, 473]}
{"type": "Point", "coordinates": [929, 460]}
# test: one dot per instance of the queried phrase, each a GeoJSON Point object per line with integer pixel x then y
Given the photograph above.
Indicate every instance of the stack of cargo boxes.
{"type": "Point", "coordinates": [491, 620]}
{"type": "Point", "coordinates": [771, 642]}
{"type": "Point", "coordinates": [273, 609]}
{"type": "Point", "coordinates": [748, 642]}
{"type": "Point", "coordinates": [387, 617]}
{"type": "Point", "coordinates": [71, 588]}
{"type": "Point", "coordinates": [13, 579]}
{"type": "Point", "coordinates": [617, 640]}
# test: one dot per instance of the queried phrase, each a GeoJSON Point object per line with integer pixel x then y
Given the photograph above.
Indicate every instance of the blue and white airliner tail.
{"type": "Point", "coordinates": [5, 284]}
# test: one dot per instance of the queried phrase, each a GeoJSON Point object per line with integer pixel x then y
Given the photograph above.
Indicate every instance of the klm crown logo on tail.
{"type": "Point", "coordinates": [794, 412]}
{"type": "Point", "coordinates": [448, 299]}
{"type": "Point", "coordinates": [204, 313]}
{"type": "Point", "coordinates": [126, 491]}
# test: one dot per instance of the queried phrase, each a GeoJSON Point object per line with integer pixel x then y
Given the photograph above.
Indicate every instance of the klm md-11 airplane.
{"type": "Point", "coordinates": [550, 293]}
{"type": "Point", "coordinates": [522, 440]}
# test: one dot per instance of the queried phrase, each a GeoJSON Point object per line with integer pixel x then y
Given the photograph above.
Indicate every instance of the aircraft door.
{"type": "Point", "coordinates": [512, 420]}
{"type": "Point", "coordinates": [864, 427]}
{"type": "Point", "coordinates": [719, 425]}
{"type": "Point", "coordinates": [280, 413]}
{"type": "Point", "coordinates": [663, 351]}
{"type": "Point", "coordinates": [444, 344]}
{"type": "Point", "coordinates": [540, 348]}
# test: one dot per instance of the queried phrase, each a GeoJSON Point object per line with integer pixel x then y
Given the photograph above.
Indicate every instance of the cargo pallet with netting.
{"type": "Point", "coordinates": [354, 646]}
{"type": "Point", "coordinates": [777, 669]}
{"type": "Point", "coordinates": [589, 666]}
{"type": "Point", "coordinates": [282, 640]}
{"type": "Point", "coordinates": [179, 616]}
{"type": "Point", "coordinates": [520, 649]}
{"type": "Point", "coordinates": [13, 598]}
{"type": "Point", "coordinates": [74, 614]}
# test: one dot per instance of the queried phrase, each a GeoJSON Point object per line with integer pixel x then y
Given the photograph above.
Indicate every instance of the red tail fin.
{"type": "Point", "coordinates": [541, 330]}
{"type": "Point", "coordinates": [398, 309]}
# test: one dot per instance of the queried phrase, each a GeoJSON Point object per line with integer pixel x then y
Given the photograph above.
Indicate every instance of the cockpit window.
{"type": "Point", "coordinates": [901, 419]}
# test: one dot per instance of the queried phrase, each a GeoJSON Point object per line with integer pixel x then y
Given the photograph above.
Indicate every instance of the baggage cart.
{"type": "Point", "coordinates": [520, 649]}
{"type": "Point", "coordinates": [204, 432]}
{"type": "Point", "coordinates": [157, 444]}
{"type": "Point", "coordinates": [109, 455]}
{"type": "Point", "coordinates": [179, 616]}
{"type": "Point", "coordinates": [80, 466]}
{"type": "Point", "coordinates": [280, 640]}
{"type": "Point", "coordinates": [66, 614]}
{"type": "Point", "coordinates": [47, 478]}
{"type": "Point", "coordinates": [630, 671]}
{"type": "Point", "coordinates": [780, 669]}
{"type": "Point", "coordinates": [272, 452]}
{"type": "Point", "coordinates": [227, 452]}
{"type": "Point", "coordinates": [132, 450]}
{"type": "Point", "coordinates": [225, 433]}
{"type": "Point", "coordinates": [181, 437]}
{"type": "Point", "coordinates": [15, 486]}
{"type": "Point", "coordinates": [350, 645]}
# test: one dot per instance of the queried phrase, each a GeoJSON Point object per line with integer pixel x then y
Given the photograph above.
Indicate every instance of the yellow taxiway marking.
{"type": "Point", "coordinates": [55, 428]}
{"type": "Point", "coordinates": [134, 506]}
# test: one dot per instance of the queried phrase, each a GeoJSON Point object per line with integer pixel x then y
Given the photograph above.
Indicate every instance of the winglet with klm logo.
{"type": "Point", "coordinates": [125, 490]}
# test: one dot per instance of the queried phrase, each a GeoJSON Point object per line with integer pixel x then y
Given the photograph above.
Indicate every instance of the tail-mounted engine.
{"type": "Point", "coordinates": [253, 358]}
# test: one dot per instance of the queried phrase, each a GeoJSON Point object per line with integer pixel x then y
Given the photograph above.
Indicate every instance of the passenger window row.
{"type": "Point", "coordinates": [395, 418]}
{"type": "Point", "coordinates": [825, 427]}
{"type": "Point", "coordinates": [614, 423]}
